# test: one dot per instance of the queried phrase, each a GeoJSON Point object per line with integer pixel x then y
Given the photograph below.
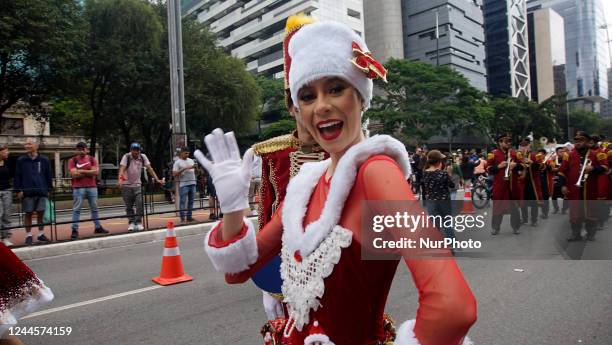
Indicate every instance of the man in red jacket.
{"type": "Point", "coordinates": [581, 170]}
{"type": "Point", "coordinates": [502, 164]}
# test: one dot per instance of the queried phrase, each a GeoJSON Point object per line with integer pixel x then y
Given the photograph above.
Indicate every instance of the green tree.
{"type": "Point", "coordinates": [280, 127]}
{"type": "Point", "coordinates": [272, 99]}
{"type": "Point", "coordinates": [583, 120]}
{"type": "Point", "coordinates": [605, 128]}
{"type": "Point", "coordinates": [123, 36]}
{"type": "Point", "coordinates": [38, 40]}
{"type": "Point", "coordinates": [522, 117]}
{"type": "Point", "coordinates": [421, 100]}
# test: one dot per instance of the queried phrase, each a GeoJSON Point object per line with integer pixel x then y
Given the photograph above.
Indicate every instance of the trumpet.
{"type": "Point", "coordinates": [548, 156]}
{"type": "Point", "coordinates": [507, 173]}
{"type": "Point", "coordinates": [583, 176]}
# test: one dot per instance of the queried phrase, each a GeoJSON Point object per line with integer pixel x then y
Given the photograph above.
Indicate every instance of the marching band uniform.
{"type": "Point", "coordinates": [602, 183]}
{"type": "Point", "coordinates": [532, 184]}
{"type": "Point", "coordinates": [583, 198]}
{"type": "Point", "coordinates": [21, 291]}
{"type": "Point", "coordinates": [558, 182]}
{"type": "Point", "coordinates": [507, 192]}
{"type": "Point", "coordinates": [547, 184]}
{"type": "Point", "coordinates": [318, 229]}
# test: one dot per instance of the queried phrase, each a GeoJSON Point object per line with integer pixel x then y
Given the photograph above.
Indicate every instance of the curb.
{"type": "Point", "coordinates": [56, 249]}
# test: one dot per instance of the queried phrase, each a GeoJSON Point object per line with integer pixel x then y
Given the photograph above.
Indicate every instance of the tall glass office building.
{"type": "Point", "coordinates": [585, 46]}
{"type": "Point", "coordinates": [507, 46]}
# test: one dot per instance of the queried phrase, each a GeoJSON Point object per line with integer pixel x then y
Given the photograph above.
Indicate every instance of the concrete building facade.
{"type": "Point", "coordinates": [461, 36]}
{"type": "Point", "coordinates": [253, 30]}
{"type": "Point", "coordinates": [383, 28]}
{"type": "Point", "coordinates": [507, 48]}
{"type": "Point", "coordinates": [546, 53]}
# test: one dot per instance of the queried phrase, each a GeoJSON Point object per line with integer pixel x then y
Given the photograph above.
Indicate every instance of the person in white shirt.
{"type": "Point", "coordinates": [184, 171]}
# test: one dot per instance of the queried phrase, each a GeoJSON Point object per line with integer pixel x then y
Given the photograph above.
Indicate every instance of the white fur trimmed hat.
{"type": "Point", "coordinates": [332, 49]}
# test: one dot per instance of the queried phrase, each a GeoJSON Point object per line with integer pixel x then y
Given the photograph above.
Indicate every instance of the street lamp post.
{"type": "Point", "coordinates": [437, 41]}
{"type": "Point", "coordinates": [177, 90]}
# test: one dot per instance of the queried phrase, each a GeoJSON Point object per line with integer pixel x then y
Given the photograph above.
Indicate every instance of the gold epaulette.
{"type": "Point", "coordinates": [276, 144]}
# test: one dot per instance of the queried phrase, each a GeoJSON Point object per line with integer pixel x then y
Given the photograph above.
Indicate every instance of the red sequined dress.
{"type": "Point", "coordinates": [21, 291]}
{"type": "Point", "coordinates": [318, 233]}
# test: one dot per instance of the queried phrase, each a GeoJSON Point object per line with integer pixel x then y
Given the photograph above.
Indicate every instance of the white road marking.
{"type": "Point", "coordinates": [92, 301]}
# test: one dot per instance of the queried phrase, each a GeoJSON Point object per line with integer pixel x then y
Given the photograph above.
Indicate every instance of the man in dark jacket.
{"type": "Point", "coordinates": [33, 182]}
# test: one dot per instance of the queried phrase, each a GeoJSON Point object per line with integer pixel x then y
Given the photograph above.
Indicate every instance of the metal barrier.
{"type": "Point", "coordinates": [63, 216]}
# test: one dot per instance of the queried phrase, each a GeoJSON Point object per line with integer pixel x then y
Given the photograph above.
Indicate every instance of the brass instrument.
{"type": "Point", "coordinates": [548, 156]}
{"type": "Point", "coordinates": [507, 173]}
{"type": "Point", "coordinates": [583, 176]}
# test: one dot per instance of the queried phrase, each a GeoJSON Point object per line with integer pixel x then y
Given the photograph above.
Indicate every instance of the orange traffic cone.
{"type": "Point", "coordinates": [468, 207]}
{"type": "Point", "coordinates": [172, 265]}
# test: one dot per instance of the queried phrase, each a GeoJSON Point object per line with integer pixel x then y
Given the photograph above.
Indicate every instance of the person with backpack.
{"type": "Point", "coordinates": [84, 169]}
{"type": "Point", "coordinates": [130, 180]}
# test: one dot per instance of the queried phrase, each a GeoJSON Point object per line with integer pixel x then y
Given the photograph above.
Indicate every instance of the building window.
{"type": "Point", "coordinates": [353, 13]}
{"type": "Point", "coordinates": [580, 88]}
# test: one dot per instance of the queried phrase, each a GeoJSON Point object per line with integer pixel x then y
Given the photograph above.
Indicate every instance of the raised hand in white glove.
{"type": "Point", "coordinates": [231, 176]}
{"type": "Point", "coordinates": [272, 306]}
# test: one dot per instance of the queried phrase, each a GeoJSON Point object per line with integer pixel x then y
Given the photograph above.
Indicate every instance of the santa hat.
{"type": "Point", "coordinates": [294, 23]}
{"type": "Point", "coordinates": [332, 49]}
{"type": "Point", "coordinates": [316, 333]}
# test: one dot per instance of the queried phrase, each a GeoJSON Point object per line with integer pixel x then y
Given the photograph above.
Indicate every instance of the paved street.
{"type": "Point", "coordinates": [551, 301]}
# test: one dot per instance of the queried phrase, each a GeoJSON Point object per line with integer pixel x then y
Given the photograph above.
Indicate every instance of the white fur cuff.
{"type": "Point", "coordinates": [235, 257]}
{"type": "Point", "coordinates": [405, 335]}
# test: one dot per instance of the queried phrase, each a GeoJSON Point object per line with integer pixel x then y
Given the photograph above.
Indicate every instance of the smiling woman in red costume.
{"type": "Point", "coordinates": [21, 292]}
{"type": "Point", "coordinates": [333, 296]}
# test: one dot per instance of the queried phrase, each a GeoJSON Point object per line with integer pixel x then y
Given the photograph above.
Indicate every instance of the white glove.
{"type": "Point", "coordinates": [272, 306]}
{"type": "Point", "coordinates": [230, 175]}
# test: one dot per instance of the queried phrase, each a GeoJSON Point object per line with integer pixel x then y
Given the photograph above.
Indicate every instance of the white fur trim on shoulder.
{"type": "Point", "coordinates": [300, 189]}
{"type": "Point", "coordinates": [405, 335]}
{"type": "Point", "coordinates": [237, 256]}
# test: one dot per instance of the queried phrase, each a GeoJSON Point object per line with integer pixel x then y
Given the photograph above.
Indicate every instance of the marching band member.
{"type": "Point", "coordinates": [532, 189]}
{"type": "Point", "coordinates": [507, 191]}
{"type": "Point", "coordinates": [580, 171]}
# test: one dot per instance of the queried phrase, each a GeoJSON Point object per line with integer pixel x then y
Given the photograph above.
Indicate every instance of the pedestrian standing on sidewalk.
{"type": "Point", "coordinates": [33, 182]}
{"type": "Point", "coordinates": [84, 169]}
{"type": "Point", "coordinates": [435, 185]}
{"type": "Point", "coordinates": [184, 171]}
{"type": "Point", "coordinates": [6, 196]}
{"type": "Point", "coordinates": [130, 172]}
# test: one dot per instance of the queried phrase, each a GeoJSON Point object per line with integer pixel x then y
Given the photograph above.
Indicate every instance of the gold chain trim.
{"type": "Point", "coordinates": [276, 144]}
{"type": "Point", "coordinates": [298, 158]}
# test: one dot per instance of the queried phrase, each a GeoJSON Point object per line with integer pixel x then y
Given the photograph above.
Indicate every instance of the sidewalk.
{"type": "Point", "coordinates": [89, 241]}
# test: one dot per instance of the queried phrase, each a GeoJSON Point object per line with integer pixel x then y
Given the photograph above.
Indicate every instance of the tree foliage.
{"type": "Point", "coordinates": [118, 77]}
{"type": "Point", "coordinates": [281, 127]}
{"type": "Point", "coordinates": [272, 99]}
{"type": "Point", "coordinates": [583, 120]}
{"type": "Point", "coordinates": [38, 40]}
{"type": "Point", "coordinates": [522, 117]}
{"type": "Point", "coordinates": [421, 100]}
